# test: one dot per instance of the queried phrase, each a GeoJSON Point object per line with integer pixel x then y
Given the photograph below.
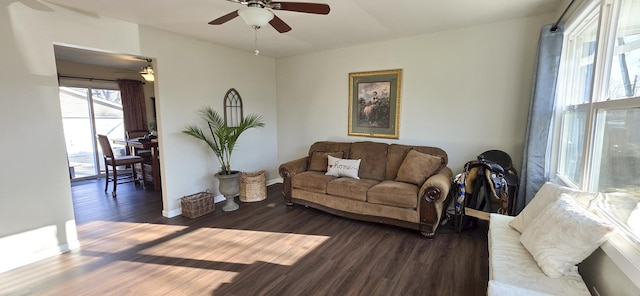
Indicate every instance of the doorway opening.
{"type": "Point", "coordinates": [91, 103]}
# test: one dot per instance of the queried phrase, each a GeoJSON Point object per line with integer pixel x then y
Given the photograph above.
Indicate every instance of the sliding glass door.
{"type": "Point", "coordinates": [86, 112]}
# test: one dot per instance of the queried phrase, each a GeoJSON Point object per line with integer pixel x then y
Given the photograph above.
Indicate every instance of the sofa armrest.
{"type": "Point", "coordinates": [436, 187]}
{"type": "Point", "coordinates": [432, 195]}
{"type": "Point", "coordinates": [287, 170]}
{"type": "Point", "coordinates": [293, 167]}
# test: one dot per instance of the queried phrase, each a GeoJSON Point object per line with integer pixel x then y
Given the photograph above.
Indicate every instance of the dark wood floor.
{"type": "Point", "coordinates": [264, 248]}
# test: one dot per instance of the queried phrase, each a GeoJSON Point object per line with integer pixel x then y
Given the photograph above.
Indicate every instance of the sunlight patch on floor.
{"type": "Point", "coordinates": [171, 280]}
{"type": "Point", "coordinates": [173, 259]}
{"type": "Point", "coordinates": [239, 246]}
{"type": "Point", "coordinates": [109, 236]}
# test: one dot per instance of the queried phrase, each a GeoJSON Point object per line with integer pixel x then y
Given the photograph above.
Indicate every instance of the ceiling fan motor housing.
{"type": "Point", "coordinates": [255, 17]}
{"type": "Point", "coordinates": [257, 13]}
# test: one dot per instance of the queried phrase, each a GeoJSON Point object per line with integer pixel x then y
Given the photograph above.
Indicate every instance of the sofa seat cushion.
{"type": "Point", "coordinates": [392, 193]}
{"type": "Point", "coordinates": [510, 262]}
{"type": "Point", "coordinates": [311, 181]}
{"type": "Point", "coordinates": [351, 188]}
{"type": "Point", "coordinates": [498, 288]}
{"type": "Point", "coordinates": [357, 207]}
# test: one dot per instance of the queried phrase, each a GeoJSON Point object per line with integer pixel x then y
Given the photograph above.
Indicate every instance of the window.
{"type": "Point", "coordinates": [87, 111]}
{"type": "Point", "coordinates": [232, 108]}
{"type": "Point", "coordinates": [599, 105]}
{"type": "Point", "coordinates": [625, 64]}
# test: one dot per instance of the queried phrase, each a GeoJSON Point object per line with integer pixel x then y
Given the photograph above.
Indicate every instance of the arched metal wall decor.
{"type": "Point", "coordinates": [232, 108]}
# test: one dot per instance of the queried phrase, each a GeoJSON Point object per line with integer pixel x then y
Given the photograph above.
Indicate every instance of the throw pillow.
{"type": "Point", "coordinates": [417, 167]}
{"type": "Point", "coordinates": [318, 161]}
{"type": "Point", "coordinates": [548, 193]}
{"type": "Point", "coordinates": [339, 167]}
{"type": "Point", "coordinates": [563, 235]}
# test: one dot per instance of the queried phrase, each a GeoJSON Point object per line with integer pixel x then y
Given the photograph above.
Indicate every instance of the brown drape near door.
{"type": "Point", "coordinates": [133, 107]}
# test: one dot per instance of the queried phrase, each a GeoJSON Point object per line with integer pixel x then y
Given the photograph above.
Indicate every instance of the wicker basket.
{"type": "Point", "coordinates": [253, 186]}
{"type": "Point", "coordinates": [198, 204]}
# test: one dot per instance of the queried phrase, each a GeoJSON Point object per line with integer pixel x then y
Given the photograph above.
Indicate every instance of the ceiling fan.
{"type": "Point", "coordinates": [145, 71]}
{"type": "Point", "coordinates": [258, 13]}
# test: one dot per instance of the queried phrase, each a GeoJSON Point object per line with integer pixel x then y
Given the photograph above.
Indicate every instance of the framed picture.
{"type": "Point", "coordinates": [374, 103]}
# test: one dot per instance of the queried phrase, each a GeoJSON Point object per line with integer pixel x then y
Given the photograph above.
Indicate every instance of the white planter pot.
{"type": "Point", "coordinates": [230, 188]}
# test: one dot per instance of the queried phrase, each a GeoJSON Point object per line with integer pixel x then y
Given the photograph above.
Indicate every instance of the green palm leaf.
{"type": "Point", "coordinates": [223, 138]}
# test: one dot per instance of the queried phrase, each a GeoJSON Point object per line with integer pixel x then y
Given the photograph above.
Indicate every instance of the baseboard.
{"type": "Point", "coordinates": [19, 261]}
{"type": "Point", "coordinates": [274, 181]}
{"type": "Point", "coordinates": [172, 213]}
{"type": "Point", "coordinates": [217, 199]}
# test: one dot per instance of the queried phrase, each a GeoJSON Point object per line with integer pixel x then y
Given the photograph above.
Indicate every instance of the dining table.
{"type": "Point", "coordinates": [146, 144]}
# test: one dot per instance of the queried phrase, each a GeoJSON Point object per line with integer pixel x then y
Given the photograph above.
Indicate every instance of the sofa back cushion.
{"type": "Point", "coordinates": [319, 160]}
{"type": "Point", "coordinates": [397, 153]}
{"type": "Point", "coordinates": [326, 146]}
{"type": "Point", "coordinates": [373, 157]}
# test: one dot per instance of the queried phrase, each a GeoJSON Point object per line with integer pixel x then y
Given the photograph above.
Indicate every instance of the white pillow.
{"type": "Point", "coordinates": [563, 235]}
{"type": "Point", "coordinates": [548, 193]}
{"type": "Point", "coordinates": [339, 167]}
{"type": "Point", "coordinates": [634, 220]}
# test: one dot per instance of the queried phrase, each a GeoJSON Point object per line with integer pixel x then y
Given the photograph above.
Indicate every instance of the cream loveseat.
{"type": "Point", "coordinates": [555, 228]}
{"type": "Point", "coordinates": [394, 184]}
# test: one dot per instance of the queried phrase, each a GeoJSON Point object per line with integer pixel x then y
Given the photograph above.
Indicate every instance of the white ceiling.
{"type": "Point", "coordinates": [350, 22]}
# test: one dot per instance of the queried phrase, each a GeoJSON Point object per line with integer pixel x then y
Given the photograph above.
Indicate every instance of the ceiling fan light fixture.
{"type": "Point", "coordinates": [147, 74]}
{"type": "Point", "coordinates": [148, 77]}
{"type": "Point", "coordinates": [255, 17]}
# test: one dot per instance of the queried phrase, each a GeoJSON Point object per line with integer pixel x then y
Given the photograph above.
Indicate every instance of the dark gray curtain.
{"type": "Point", "coordinates": [133, 107]}
{"type": "Point", "coordinates": [537, 145]}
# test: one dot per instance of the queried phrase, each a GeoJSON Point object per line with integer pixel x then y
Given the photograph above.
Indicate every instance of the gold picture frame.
{"type": "Point", "coordinates": [374, 103]}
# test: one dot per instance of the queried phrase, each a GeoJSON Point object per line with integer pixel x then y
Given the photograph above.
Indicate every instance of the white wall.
{"type": "Point", "coordinates": [192, 74]}
{"type": "Point", "coordinates": [464, 90]}
{"type": "Point", "coordinates": [36, 211]}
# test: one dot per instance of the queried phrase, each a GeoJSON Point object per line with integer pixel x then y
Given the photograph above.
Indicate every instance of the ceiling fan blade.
{"type": "Point", "coordinates": [316, 8]}
{"type": "Point", "coordinates": [278, 24]}
{"type": "Point", "coordinates": [225, 18]}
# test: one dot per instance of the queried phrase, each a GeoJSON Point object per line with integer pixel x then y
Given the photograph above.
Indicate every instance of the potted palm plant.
{"type": "Point", "coordinates": [222, 141]}
{"type": "Point", "coordinates": [153, 126]}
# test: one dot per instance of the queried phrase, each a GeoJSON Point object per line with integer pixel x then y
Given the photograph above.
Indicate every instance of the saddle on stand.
{"type": "Point", "coordinates": [488, 184]}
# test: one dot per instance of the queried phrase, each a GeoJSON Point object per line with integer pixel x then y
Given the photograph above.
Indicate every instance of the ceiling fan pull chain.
{"type": "Point", "coordinates": [255, 30]}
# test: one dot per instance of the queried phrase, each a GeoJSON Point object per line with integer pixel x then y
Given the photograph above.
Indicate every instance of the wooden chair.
{"type": "Point", "coordinates": [136, 133]}
{"type": "Point", "coordinates": [112, 161]}
{"type": "Point", "coordinates": [146, 154]}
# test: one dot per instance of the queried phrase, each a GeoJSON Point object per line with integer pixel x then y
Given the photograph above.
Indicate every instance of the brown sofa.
{"type": "Point", "coordinates": [399, 185]}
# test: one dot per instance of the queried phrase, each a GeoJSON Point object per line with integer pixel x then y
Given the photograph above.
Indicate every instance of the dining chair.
{"type": "Point", "coordinates": [145, 153]}
{"type": "Point", "coordinates": [136, 133]}
{"type": "Point", "coordinates": [110, 160]}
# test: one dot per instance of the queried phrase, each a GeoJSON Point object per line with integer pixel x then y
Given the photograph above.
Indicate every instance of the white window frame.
{"type": "Point", "coordinates": [623, 248]}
